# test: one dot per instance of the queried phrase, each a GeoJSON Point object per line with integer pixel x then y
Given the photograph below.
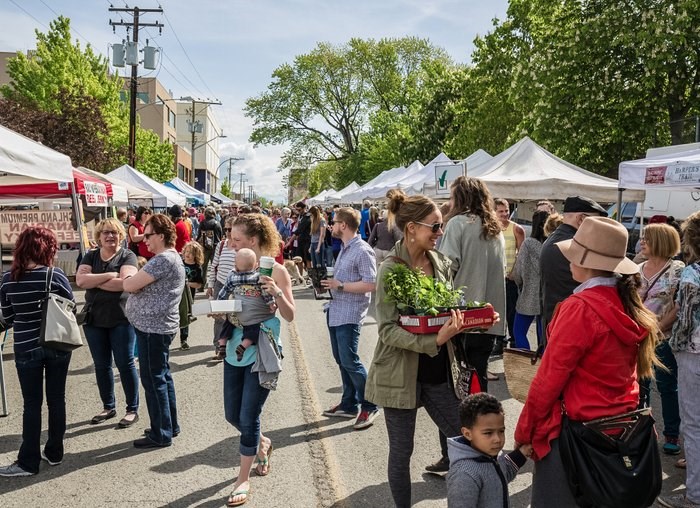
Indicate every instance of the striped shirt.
{"type": "Point", "coordinates": [20, 302]}
{"type": "Point", "coordinates": [221, 264]}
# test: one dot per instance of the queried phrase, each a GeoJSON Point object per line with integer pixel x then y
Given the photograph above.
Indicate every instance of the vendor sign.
{"type": "Point", "coordinates": [445, 174]}
{"type": "Point", "coordinates": [12, 223]}
{"type": "Point", "coordinates": [673, 174]}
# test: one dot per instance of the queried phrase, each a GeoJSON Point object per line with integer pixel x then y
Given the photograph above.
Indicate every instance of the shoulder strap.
{"type": "Point", "coordinates": [655, 281]}
{"type": "Point", "coordinates": [49, 278]}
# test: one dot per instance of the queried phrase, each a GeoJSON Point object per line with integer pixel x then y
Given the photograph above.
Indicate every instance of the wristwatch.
{"type": "Point", "coordinates": [341, 286]}
{"type": "Point", "coordinates": [278, 294]}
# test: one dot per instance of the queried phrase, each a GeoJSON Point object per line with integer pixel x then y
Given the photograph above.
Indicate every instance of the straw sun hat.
{"type": "Point", "coordinates": [600, 244]}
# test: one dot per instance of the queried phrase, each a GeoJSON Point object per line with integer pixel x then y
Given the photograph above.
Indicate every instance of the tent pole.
{"type": "Point", "coordinates": [619, 205]}
{"type": "Point", "coordinates": [79, 221]}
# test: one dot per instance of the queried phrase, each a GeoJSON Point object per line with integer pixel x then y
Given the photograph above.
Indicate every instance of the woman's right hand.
{"type": "Point", "coordinates": [453, 326]}
{"type": "Point", "coordinates": [209, 292]}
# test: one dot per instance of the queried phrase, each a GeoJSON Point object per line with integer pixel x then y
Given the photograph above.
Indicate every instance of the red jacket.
{"type": "Point", "coordinates": [591, 358]}
{"type": "Point", "coordinates": [183, 235]}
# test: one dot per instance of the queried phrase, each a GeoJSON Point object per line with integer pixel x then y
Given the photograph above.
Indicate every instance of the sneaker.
{"type": "Point", "coordinates": [184, 345]}
{"type": "Point", "coordinates": [671, 447]}
{"type": "Point", "coordinates": [336, 411]}
{"type": "Point", "coordinates": [677, 501]}
{"type": "Point", "coordinates": [497, 348]}
{"type": "Point", "coordinates": [51, 463]}
{"type": "Point", "coordinates": [441, 466]}
{"type": "Point", "coordinates": [14, 469]}
{"type": "Point", "coordinates": [365, 419]}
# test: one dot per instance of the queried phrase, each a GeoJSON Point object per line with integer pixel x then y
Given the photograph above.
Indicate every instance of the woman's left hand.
{"type": "Point", "coordinates": [268, 284]}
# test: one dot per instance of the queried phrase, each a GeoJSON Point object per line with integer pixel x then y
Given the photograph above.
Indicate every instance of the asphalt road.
{"type": "Point", "coordinates": [317, 461]}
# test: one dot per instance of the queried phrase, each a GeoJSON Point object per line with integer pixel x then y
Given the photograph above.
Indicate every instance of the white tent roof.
{"type": "Point", "coordinates": [367, 190]}
{"type": "Point", "coordinates": [526, 171]}
{"type": "Point", "coordinates": [188, 190]}
{"type": "Point", "coordinates": [163, 197]}
{"type": "Point", "coordinates": [677, 171]}
{"type": "Point", "coordinates": [428, 186]}
{"type": "Point", "coordinates": [320, 197]}
{"type": "Point", "coordinates": [120, 194]}
{"type": "Point", "coordinates": [405, 180]}
{"type": "Point", "coordinates": [224, 200]}
{"type": "Point", "coordinates": [24, 161]}
{"type": "Point", "coordinates": [339, 197]}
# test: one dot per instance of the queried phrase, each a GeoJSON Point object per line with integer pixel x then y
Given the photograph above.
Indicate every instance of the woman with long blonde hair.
{"type": "Point", "coordinates": [318, 236]}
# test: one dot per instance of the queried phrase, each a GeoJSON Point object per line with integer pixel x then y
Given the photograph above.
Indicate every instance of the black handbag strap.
{"type": "Point", "coordinates": [49, 279]}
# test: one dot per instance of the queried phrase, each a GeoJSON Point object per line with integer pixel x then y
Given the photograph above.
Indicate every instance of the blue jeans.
{"type": "Point", "coordinates": [522, 325]}
{"type": "Point", "coordinates": [327, 252]}
{"type": "Point", "coordinates": [31, 367]}
{"type": "Point", "coordinates": [243, 402]}
{"type": "Point", "coordinates": [117, 342]}
{"type": "Point", "coordinates": [667, 384]}
{"type": "Point", "coordinates": [344, 340]}
{"type": "Point", "coordinates": [158, 384]}
{"type": "Point", "coordinates": [317, 258]}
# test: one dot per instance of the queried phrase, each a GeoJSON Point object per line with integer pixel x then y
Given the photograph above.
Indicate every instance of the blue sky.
{"type": "Point", "coordinates": [236, 45]}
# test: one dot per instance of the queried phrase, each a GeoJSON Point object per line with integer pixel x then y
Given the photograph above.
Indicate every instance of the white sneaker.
{"type": "Point", "coordinates": [44, 457]}
{"type": "Point", "coordinates": [14, 469]}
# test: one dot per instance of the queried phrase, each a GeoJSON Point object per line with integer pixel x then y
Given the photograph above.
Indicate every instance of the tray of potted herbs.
{"type": "Point", "coordinates": [424, 303]}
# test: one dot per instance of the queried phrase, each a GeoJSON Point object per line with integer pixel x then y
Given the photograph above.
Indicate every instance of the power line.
{"type": "Point", "coordinates": [71, 28]}
{"type": "Point", "coordinates": [172, 27]}
{"type": "Point", "coordinates": [28, 14]}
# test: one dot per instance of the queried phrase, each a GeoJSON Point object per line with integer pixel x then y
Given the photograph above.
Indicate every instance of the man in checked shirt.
{"type": "Point", "coordinates": [354, 278]}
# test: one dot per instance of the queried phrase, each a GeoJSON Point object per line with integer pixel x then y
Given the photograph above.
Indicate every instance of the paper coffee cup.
{"type": "Point", "coordinates": [266, 264]}
{"type": "Point", "coordinates": [329, 272]}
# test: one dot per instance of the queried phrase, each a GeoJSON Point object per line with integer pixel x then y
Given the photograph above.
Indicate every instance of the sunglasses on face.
{"type": "Point", "coordinates": [434, 228]}
{"type": "Point", "coordinates": [148, 235]}
{"type": "Point", "coordinates": [228, 230]}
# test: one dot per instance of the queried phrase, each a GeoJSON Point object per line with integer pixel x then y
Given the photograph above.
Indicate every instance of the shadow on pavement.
{"type": "Point", "coordinates": [432, 488]}
{"type": "Point", "coordinates": [191, 499]}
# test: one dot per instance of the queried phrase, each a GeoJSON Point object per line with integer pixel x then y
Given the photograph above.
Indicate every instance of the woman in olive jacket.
{"type": "Point", "coordinates": [410, 369]}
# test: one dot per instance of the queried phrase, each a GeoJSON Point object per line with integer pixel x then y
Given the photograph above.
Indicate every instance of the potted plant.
{"type": "Point", "coordinates": [424, 302]}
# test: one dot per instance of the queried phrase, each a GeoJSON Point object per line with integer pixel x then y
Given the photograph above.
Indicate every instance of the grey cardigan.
{"type": "Point", "coordinates": [526, 275]}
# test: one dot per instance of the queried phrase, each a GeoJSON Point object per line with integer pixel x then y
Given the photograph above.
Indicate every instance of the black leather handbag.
{"type": "Point", "coordinates": [612, 462]}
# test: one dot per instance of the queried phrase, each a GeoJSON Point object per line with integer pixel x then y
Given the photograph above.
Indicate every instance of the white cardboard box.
{"type": "Point", "coordinates": [204, 307]}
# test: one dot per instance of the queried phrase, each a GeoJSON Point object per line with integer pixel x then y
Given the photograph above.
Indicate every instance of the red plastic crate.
{"type": "Point", "coordinates": [481, 317]}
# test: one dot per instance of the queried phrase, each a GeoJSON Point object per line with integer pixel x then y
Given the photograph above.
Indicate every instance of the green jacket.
{"type": "Point", "coordinates": [393, 374]}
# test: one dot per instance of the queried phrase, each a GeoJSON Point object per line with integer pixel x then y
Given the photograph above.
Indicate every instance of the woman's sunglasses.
{"type": "Point", "coordinates": [434, 228]}
{"type": "Point", "coordinates": [227, 230]}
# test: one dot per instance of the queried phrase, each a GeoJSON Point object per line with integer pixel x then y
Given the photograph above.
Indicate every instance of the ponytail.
{"type": "Point", "coordinates": [627, 288]}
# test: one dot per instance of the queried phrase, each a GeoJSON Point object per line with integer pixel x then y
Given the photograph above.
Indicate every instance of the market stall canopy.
{"type": "Point", "coordinates": [339, 197]}
{"type": "Point", "coordinates": [23, 161]}
{"type": "Point", "coordinates": [678, 171]}
{"type": "Point", "coordinates": [196, 196]}
{"type": "Point", "coordinates": [163, 197]}
{"type": "Point", "coordinates": [405, 180]}
{"type": "Point", "coordinates": [95, 191]}
{"type": "Point", "coordinates": [320, 198]}
{"type": "Point", "coordinates": [366, 190]}
{"type": "Point", "coordinates": [431, 185]}
{"type": "Point", "coordinates": [220, 198]}
{"type": "Point", "coordinates": [137, 196]}
{"type": "Point", "coordinates": [120, 194]}
{"type": "Point", "coordinates": [526, 172]}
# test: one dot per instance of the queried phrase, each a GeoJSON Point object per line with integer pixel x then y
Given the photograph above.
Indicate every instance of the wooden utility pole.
{"type": "Point", "coordinates": [133, 85]}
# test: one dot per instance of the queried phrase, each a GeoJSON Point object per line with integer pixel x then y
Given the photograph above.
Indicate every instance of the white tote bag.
{"type": "Point", "coordinates": [59, 328]}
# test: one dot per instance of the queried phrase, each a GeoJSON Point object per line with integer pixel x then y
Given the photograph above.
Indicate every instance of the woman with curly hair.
{"type": "Point", "coordinates": [244, 396]}
{"type": "Point", "coordinates": [21, 294]}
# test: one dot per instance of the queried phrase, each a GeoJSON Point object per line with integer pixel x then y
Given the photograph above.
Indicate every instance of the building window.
{"type": "Point", "coordinates": [171, 118]}
{"type": "Point", "coordinates": [180, 171]}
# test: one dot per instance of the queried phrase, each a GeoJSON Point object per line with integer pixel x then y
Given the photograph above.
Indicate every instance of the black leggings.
{"type": "Point", "coordinates": [443, 408]}
{"type": "Point", "coordinates": [478, 347]}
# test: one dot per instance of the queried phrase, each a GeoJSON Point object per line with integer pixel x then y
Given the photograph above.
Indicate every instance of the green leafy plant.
{"type": "Point", "coordinates": [414, 292]}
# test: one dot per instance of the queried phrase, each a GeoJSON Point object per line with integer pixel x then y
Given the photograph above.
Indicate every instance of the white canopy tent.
{"type": "Point", "coordinates": [339, 197]}
{"type": "Point", "coordinates": [527, 172]}
{"type": "Point", "coordinates": [320, 197]}
{"type": "Point", "coordinates": [137, 195]}
{"type": "Point", "coordinates": [371, 188]}
{"type": "Point", "coordinates": [198, 196]}
{"type": "Point", "coordinates": [163, 197]}
{"type": "Point", "coordinates": [678, 171]}
{"type": "Point", "coordinates": [24, 161]}
{"type": "Point", "coordinates": [222, 199]}
{"type": "Point", "coordinates": [429, 186]}
{"type": "Point", "coordinates": [407, 179]}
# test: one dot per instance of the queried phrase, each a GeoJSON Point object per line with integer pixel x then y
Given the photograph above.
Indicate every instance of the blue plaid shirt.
{"type": "Point", "coordinates": [356, 262]}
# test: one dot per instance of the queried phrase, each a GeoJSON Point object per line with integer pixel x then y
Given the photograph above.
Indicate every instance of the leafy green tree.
{"type": "Point", "coordinates": [41, 80]}
{"type": "Point", "coordinates": [322, 104]}
{"type": "Point", "coordinates": [225, 188]}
